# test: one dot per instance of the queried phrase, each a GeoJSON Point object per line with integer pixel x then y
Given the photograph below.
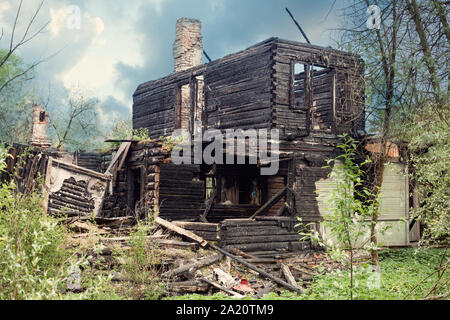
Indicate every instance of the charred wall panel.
{"type": "Point", "coordinates": [181, 192]}
{"type": "Point", "coordinates": [338, 81]}
{"type": "Point", "coordinates": [238, 89]}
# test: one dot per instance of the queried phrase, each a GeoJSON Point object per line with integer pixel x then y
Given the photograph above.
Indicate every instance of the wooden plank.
{"type": "Point", "coordinates": [288, 275]}
{"type": "Point", "coordinates": [193, 266]}
{"type": "Point", "coordinates": [172, 227]}
{"type": "Point", "coordinates": [218, 286]}
{"type": "Point", "coordinates": [119, 152]}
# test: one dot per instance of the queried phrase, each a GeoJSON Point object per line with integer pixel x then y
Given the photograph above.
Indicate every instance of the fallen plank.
{"type": "Point", "coordinates": [175, 243]}
{"type": "Point", "coordinates": [193, 266]}
{"type": "Point", "coordinates": [158, 240]}
{"type": "Point", "coordinates": [243, 254]}
{"type": "Point", "coordinates": [197, 226]}
{"type": "Point", "coordinates": [187, 287]}
{"type": "Point", "coordinates": [172, 227]}
{"type": "Point", "coordinates": [288, 275]}
{"type": "Point", "coordinates": [218, 286]}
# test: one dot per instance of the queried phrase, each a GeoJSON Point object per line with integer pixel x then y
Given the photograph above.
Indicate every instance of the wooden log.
{"type": "Point", "coordinates": [270, 203]}
{"type": "Point", "coordinates": [288, 275]}
{"type": "Point", "coordinates": [218, 286]}
{"type": "Point", "coordinates": [197, 226]}
{"type": "Point", "coordinates": [172, 227]}
{"type": "Point", "coordinates": [187, 287]}
{"type": "Point", "coordinates": [193, 266]}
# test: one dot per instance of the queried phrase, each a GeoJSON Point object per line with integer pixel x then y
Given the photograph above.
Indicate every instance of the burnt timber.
{"type": "Point", "coordinates": [311, 94]}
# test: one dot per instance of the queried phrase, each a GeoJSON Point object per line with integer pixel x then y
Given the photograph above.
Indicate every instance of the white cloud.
{"type": "Point", "coordinates": [58, 20]}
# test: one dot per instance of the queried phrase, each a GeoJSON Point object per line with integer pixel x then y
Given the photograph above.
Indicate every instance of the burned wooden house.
{"type": "Point", "coordinates": [296, 99]}
{"type": "Point", "coordinates": [308, 93]}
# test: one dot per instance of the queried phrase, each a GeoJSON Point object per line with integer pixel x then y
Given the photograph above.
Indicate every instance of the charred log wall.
{"type": "Point", "coordinates": [238, 89]}
{"type": "Point", "coordinates": [261, 235]}
{"type": "Point", "coordinates": [181, 192]}
{"type": "Point", "coordinates": [89, 160]}
{"type": "Point", "coordinates": [140, 169]}
{"type": "Point", "coordinates": [340, 84]}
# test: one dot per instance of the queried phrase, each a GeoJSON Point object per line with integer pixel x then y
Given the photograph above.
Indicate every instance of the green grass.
{"type": "Point", "coordinates": [401, 270]}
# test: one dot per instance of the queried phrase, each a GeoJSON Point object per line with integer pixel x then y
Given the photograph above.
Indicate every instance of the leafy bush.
{"type": "Point", "coordinates": [429, 144]}
{"type": "Point", "coordinates": [35, 259]}
{"type": "Point", "coordinates": [402, 270]}
{"type": "Point", "coordinates": [351, 204]}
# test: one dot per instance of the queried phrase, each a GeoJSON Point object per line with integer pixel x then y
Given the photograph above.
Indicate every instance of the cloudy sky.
{"type": "Point", "coordinates": [120, 44]}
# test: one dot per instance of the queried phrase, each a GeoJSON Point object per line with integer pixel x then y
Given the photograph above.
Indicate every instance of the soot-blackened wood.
{"type": "Point", "coordinates": [172, 227]}
{"type": "Point", "coordinates": [269, 203]}
{"type": "Point", "coordinates": [209, 203]}
{"type": "Point", "coordinates": [193, 266]}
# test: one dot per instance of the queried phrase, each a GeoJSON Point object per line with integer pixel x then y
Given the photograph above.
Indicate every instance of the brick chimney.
{"type": "Point", "coordinates": [188, 48]}
{"type": "Point", "coordinates": [38, 136]}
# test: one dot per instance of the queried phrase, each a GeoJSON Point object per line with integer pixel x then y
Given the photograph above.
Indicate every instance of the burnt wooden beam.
{"type": "Point", "coordinates": [270, 203]}
{"type": "Point", "coordinates": [288, 275]}
{"type": "Point", "coordinates": [193, 266]}
{"type": "Point", "coordinates": [209, 204]}
{"type": "Point", "coordinates": [298, 26]}
{"type": "Point", "coordinates": [218, 286]}
{"type": "Point", "coordinates": [172, 227]}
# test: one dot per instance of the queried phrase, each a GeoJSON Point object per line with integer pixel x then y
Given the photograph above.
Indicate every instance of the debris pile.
{"type": "Point", "coordinates": [190, 264]}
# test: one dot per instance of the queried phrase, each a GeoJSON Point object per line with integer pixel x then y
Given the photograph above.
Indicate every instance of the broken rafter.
{"type": "Point", "coordinates": [123, 147]}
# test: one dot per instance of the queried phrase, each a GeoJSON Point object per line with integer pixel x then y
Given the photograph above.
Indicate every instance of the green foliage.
{"type": "Point", "coordinates": [35, 262]}
{"type": "Point", "coordinates": [170, 142]}
{"type": "Point", "coordinates": [15, 99]}
{"type": "Point", "coordinates": [123, 129]}
{"type": "Point", "coordinates": [351, 204]}
{"type": "Point", "coordinates": [142, 263]}
{"type": "Point", "coordinates": [351, 201]}
{"type": "Point", "coordinates": [402, 270]}
{"type": "Point", "coordinates": [429, 144]}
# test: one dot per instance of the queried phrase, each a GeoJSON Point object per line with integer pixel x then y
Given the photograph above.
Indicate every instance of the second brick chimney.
{"type": "Point", "coordinates": [188, 48]}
